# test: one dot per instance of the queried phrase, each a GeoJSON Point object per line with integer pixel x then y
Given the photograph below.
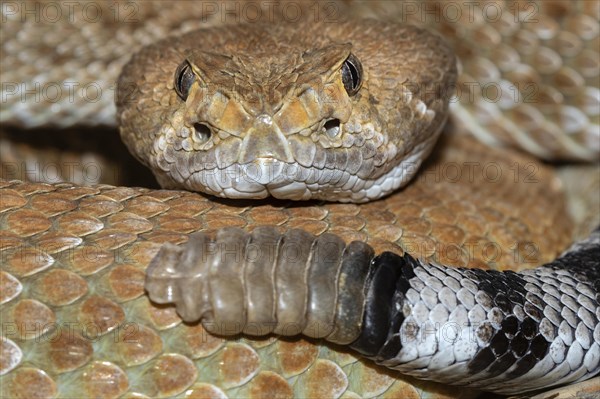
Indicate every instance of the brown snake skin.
{"type": "Point", "coordinates": [76, 321]}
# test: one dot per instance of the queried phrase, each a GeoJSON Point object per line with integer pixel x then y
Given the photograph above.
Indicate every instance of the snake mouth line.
{"type": "Point", "coordinates": [266, 177]}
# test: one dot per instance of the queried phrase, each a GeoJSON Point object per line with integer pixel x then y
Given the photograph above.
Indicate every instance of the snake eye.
{"type": "Point", "coordinates": [184, 78]}
{"type": "Point", "coordinates": [352, 75]}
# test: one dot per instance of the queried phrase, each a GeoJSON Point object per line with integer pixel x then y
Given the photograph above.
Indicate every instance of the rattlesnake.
{"type": "Point", "coordinates": [426, 108]}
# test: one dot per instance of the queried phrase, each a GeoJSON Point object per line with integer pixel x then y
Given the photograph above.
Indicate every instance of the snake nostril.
{"type": "Point", "coordinates": [202, 132]}
{"type": "Point", "coordinates": [332, 128]}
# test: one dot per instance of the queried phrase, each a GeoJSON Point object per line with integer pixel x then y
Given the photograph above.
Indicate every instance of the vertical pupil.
{"type": "Point", "coordinates": [347, 76]}
{"type": "Point", "coordinates": [351, 71]}
{"type": "Point", "coordinates": [182, 79]}
{"type": "Point", "coordinates": [354, 75]}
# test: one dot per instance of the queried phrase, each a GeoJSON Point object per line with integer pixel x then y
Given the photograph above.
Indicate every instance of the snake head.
{"type": "Point", "coordinates": [344, 112]}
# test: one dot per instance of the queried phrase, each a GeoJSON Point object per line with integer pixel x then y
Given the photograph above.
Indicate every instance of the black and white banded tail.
{"type": "Point", "coordinates": [504, 332]}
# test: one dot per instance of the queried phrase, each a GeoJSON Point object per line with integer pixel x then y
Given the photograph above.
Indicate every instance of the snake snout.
{"type": "Point", "coordinates": [264, 140]}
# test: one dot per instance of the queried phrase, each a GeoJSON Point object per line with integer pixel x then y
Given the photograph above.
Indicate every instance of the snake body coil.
{"type": "Point", "coordinates": [336, 110]}
{"type": "Point", "coordinates": [503, 332]}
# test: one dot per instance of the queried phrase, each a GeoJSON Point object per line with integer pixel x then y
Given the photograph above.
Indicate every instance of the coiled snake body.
{"type": "Point", "coordinates": [361, 103]}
